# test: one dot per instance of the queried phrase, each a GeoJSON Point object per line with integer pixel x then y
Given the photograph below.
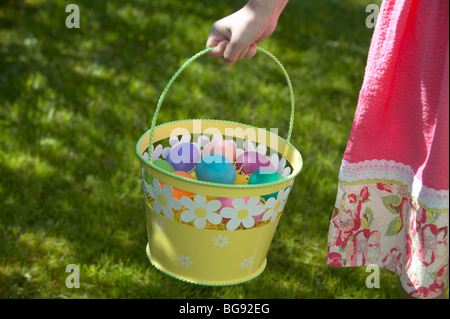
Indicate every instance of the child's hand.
{"type": "Point", "coordinates": [236, 35]}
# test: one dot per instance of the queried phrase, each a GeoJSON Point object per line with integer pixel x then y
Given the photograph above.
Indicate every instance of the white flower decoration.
{"type": "Point", "coordinates": [221, 241]}
{"type": "Point", "coordinates": [280, 165]}
{"type": "Point", "coordinates": [185, 261]}
{"type": "Point", "coordinates": [249, 146]}
{"type": "Point", "coordinates": [145, 187]}
{"type": "Point", "coordinates": [246, 263]}
{"type": "Point", "coordinates": [163, 199]}
{"type": "Point", "coordinates": [242, 213]}
{"type": "Point", "coordinates": [185, 138]}
{"type": "Point", "coordinates": [173, 140]}
{"type": "Point", "coordinates": [157, 152]}
{"type": "Point", "coordinates": [200, 211]}
{"type": "Point", "coordinates": [276, 206]}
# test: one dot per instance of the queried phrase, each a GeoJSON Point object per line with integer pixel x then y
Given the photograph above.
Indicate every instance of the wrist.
{"type": "Point", "coordinates": [267, 7]}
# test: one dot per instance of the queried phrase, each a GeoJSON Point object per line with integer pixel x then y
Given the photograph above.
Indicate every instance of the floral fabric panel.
{"type": "Point", "coordinates": [380, 223]}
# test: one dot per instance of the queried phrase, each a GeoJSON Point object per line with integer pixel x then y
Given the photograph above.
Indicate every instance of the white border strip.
{"type": "Point", "coordinates": [399, 172]}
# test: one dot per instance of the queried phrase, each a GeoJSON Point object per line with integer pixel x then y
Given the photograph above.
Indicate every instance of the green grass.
{"type": "Point", "coordinates": [73, 103]}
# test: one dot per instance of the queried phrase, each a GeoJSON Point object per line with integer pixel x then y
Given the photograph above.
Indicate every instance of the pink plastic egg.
{"type": "Point", "coordinates": [221, 147]}
{"type": "Point", "coordinates": [253, 161]}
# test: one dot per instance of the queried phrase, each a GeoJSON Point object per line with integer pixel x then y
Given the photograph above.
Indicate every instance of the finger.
{"type": "Point", "coordinates": [219, 49]}
{"type": "Point", "coordinates": [217, 34]}
{"type": "Point", "coordinates": [243, 53]}
{"type": "Point", "coordinates": [251, 51]}
{"type": "Point", "coordinates": [232, 52]}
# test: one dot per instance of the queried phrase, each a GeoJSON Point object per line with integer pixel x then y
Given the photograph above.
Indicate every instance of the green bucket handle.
{"type": "Point", "coordinates": [195, 57]}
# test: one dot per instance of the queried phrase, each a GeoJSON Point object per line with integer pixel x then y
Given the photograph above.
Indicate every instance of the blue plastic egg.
{"type": "Point", "coordinates": [216, 169]}
{"type": "Point", "coordinates": [262, 176]}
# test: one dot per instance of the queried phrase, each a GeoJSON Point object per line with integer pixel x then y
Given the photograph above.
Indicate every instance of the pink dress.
{"type": "Point", "coordinates": [392, 206]}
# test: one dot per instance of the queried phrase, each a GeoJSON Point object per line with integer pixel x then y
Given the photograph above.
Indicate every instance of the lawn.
{"type": "Point", "coordinates": [74, 102]}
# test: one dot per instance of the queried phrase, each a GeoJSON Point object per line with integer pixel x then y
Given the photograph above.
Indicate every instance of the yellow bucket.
{"type": "Point", "coordinates": [214, 234]}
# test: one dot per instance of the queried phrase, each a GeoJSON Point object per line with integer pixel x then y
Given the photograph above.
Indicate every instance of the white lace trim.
{"type": "Point", "coordinates": [399, 172]}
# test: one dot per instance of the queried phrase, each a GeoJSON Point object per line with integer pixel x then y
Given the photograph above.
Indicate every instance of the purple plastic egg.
{"type": "Point", "coordinates": [253, 161]}
{"type": "Point", "coordinates": [183, 156]}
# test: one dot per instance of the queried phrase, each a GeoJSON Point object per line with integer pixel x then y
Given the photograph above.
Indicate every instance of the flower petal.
{"type": "Point", "coordinates": [157, 207]}
{"type": "Point", "coordinates": [249, 146]}
{"type": "Point", "coordinates": [187, 216]}
{"type": "Point", "coordinates": [187, 202]}
{"type": "Point", "coordinates": [173, 140]}
{"type": "Point", "coordinates": [257, 210]}
{"type": "Point", "coordinates": [200, 223]}
{"type": "Point", "coordinates": [233, 224]}
{"type": "Point", "coordinates": [167, 212]}
{"type": "Point", "coordinates": [228, 212]}
{"type": "Point", "coordinates": [262, 149]}
{"type": "Point", "coordinates": [271, 203]}
{"type": "Point", "coordinates": [157, 186]}
{"type": "Point", "coordinates": [167, 190]}
{"type": "Point", "coordinates": [269, 214]}
{"type": "Point", "coordinates": [274, 217]}
{"type": "Point", "coordinates": [239, 203]}
{"type": "Point", "coordinates": [252, 202]}
{"type": "Point", "coordinates": [214, 218]}
{"type": "Point", "coordinates": [286, 172]}
{"type": "Point", "coordinates": [213, 205]}
{"type": "Point", "coordinates": [248, 222]}
{"type": "Point", "coordinates": [200, 200]}
{"type": "Point", "coordinates": [165, 152]}
{"type": "Point", "coordinates": [174, 203]}
{"type": "Point", "coordinates": [157, 152]}
{"type": "Point", "coordinates": [274, 160]}
{"type": "Point", "coordinates": [185, 138]}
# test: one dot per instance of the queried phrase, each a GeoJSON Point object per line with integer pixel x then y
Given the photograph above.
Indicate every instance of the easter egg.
{"type": "Point", "coordinates": [216, 169]}
{"type": "Point", "coordinates": [262, 176]}
{"type": "Point", "coordinates": [251, 161]}
{"type": "Point", "coordinates": [221, 147]}
{"type": "Point", "coordinates": [164, 165]}
{"type": "Point", "coordinates": [183, 156]}
{"type": "Point", "coordinates": [178, 193]}
{"type": "Point", "coordinates": [161, 164]}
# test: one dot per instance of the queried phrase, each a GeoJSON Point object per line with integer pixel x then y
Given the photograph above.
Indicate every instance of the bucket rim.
{"type": "Point", "coordinates": [294, 173]}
